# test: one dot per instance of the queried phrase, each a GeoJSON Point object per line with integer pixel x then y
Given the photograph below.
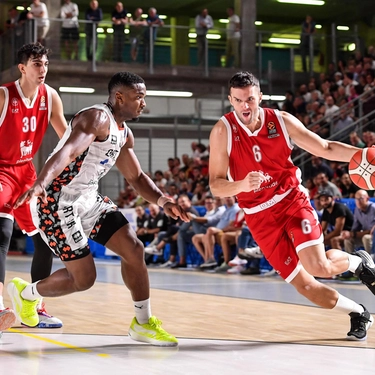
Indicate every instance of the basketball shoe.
{"type": "Point", "coordinates": [7, 319]}
{"type": "Point", "coordinates": [366, 270]}
{"type": "Point", "coordinates": [151, 333]}
{"type": "Point", "coordinates": [46, 320]}
{"type": "Point", "coordinates": [24, 309]}
{"type": "Point", "coordinates": [359, 325]}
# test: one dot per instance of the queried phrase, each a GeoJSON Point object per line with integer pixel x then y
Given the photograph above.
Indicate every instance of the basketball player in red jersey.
{"type": "Point", "coordinates": [26, 108]}
{"type": "Point", "coordinates": [251, 158]}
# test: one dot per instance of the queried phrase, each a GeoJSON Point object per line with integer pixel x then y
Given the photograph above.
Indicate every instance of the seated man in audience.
{"type": "Point", "coordinates": [157, 222]}
{"type": "Point", "coordinates": [199, 224]}
{"type": "Point", "coordinates": [172, 262]}
{"type": "Point", "coordinates": [205, 243]}
{"type": "Point", "coordinates": [142, 221]}
{"type": "Point", "coordinates": [348, 188]}
{"type": "Point", "coordinates": [230, 238]}
{"type": "Point", "coordinates": [325, 185]}
{"type": "Point", "coordinates": [364, 220]}
{"type": "Point", "coordinates": [336, 218]}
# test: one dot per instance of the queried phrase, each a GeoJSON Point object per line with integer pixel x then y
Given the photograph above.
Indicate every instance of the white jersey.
{"type": "Point", "coordinates": [75, 210]}
{"type": "Point", "coordinates": [82, 175]}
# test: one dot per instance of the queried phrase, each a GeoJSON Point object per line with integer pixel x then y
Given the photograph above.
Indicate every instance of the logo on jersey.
{"type": "Point", "coordinates": [15, 108]}
{"type": "Point", "coordinates": [104, 162]}
{"type": "Point", "coordinates": [26, 148]}
{"type": "Point", "coordinates": [113, 140]}
{"type": "Point", "coordinates": [77, 237]}
{"type": "Point", "coordinates": [112, 154]}
{"type": "Point", "coordinates": [42, 106]}
{"type": "Point", "coordinates": [270, 185]}
{"type": "Point", "coordinates": [234, 127]}
{"type": "Point", "coordinates": [272, 131]}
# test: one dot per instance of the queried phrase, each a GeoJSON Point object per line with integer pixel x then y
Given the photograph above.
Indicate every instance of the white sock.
{"type": "Point", "coordinates": [354, 262]}
{"type": "Point", "coordinates": [347, 305]}
{"type": "Point", "coordinates": [2, 307]}
{"type": "Point", "coordinates": [31, 292]}
{"type": "Point", "coordinates": [142, 310]}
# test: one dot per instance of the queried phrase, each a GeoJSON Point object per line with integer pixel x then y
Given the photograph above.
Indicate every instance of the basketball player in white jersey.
{"type": "Point", "coordinates": [70, 210]}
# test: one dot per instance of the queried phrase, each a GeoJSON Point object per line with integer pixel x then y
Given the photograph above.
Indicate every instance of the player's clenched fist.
{"type": "Point", "coordinates": [252, 181]}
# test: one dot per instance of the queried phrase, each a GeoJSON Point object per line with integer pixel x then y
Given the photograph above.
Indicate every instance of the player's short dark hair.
{"type": "Point", "coordinates": [243, 79]}
{"type": "Point", "coordinates": [124, 79]}
{"type": "Point", "coordinates": [31, 50]}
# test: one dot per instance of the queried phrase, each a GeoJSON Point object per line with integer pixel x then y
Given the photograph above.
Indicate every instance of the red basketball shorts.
{"type": "Point", "coordinates": [284, 229]}
{"type": "Point", "coordinates": [14, 181]}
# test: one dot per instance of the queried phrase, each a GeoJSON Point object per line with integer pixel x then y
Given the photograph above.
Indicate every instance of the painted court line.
{"type": "Point", "coordinates": [55, 342]}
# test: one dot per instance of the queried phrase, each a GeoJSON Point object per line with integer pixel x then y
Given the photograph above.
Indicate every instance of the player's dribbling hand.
{"type": "Point", "coordinates": [252, 181]}
{"type": "Point", "coordinates": [175, 211]}
{"type": "Point", "coordinates": [35, 191]}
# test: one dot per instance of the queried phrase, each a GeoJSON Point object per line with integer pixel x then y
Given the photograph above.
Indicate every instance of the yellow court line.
{"type": "Point", "coordinates": [55, 342]}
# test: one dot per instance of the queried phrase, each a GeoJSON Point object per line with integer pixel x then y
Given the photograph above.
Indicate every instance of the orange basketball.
{"type": "Point", "coordinates": [362, 168]}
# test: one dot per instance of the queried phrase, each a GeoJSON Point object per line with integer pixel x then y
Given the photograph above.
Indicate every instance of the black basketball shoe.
{"type": "Point", "coordinates": [366, 270]}
{"type": "Point", "coordinates": [359, 325]}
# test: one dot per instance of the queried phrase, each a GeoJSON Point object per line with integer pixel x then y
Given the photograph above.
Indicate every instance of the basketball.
{"type": "Point", "coordinates": [362, 168]}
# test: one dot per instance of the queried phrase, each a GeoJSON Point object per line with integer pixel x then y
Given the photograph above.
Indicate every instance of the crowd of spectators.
{"type": "Point", "coordinates": [142, 29]}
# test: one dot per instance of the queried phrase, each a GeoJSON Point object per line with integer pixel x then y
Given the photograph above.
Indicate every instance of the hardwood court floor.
{"type": "Point", "coordinates": [225, 324]}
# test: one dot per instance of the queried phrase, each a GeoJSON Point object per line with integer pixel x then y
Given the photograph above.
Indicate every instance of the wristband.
{"type": "Point", "coordinates": [162, 200]}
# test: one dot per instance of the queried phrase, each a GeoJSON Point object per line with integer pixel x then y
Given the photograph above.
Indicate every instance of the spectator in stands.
{"type": "Point", "coordinates": [349, 81]}
{"type": "Point", "coordinates": [141, 228]}
{"type": "Point", "coordinates": [308, 29]}
{"type": "Point", "coordinates": [347, 187]}
{"type": "Point", "coordinates": [318, 165]}
{"type": "Point", "coordinates": [203, 22]}
{"type": "Point", "coordinates": [338, 78]}
{"type": "Point", "coordinates": [197, 178]}
{"type": "Point", "coordinates": [228, 239]}
{"type": "Point", "coordinates": [288, 103]}
{"type": "Point", "coordinates": [199, 224]}
{"type": "Point", "coordinates": [95, 15]}
{"type": "Point", "coordinates": [311, 187]}
{"type": "Point", "coordinates": [233, 39]}
{"type": "Point", "coordinates": [364, 220]}
{"type": "Point", "coordinates": [12, 21]}
{"type": "Point", "coordinates": [185, 189]}
{"type": "Point", "coordinates": [172, 262]}
{"type": "Point", "coordinates": [156, 226]}
{"type": "Point", "coordinates": [137, 26]}
{"type": "Point", "coordinates": [153, 22]}
{"type": "Point", "coordinates": [327, 186]}
{"type": "Point", "coordinates": [331, 109]}
{"type": "Point", "coordinates": [199, 194]}
{"type": "Point", "coordinates": [159, 179]}
{"type": "Point", "coordinates": [119, 20]}
{"type": "Point", "coordinates": [39, 12]}
{"type": "Point", "coordinates": [69, 31]}
{"type": "Point", "coordinates": [13, 24]}
{"type": "Point", "coordinates": [205, 243]}
{"type": "Point", "coordinates": [355, 140]}
{"type": "Point", "coordinates": [343, 126]}
{"type": "Point", "coordinates": [336, 218]}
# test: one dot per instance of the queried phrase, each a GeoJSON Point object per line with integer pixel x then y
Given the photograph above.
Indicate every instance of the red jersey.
{"type": "Point", "coordinates": [23, 124]}
{"type": "Point", "coordinates": [267, 150]}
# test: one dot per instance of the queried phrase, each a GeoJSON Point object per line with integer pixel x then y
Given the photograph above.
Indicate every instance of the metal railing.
{"type": "Point", "coordinates": [158, 51]}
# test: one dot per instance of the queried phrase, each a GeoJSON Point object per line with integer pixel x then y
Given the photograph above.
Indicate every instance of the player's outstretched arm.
{"type": "Point", "coordinates": [128, 164]}
{"type": "Point", "coordinates": [219, 163]}
{"type": "Point", "coordinates": [312, 143]}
